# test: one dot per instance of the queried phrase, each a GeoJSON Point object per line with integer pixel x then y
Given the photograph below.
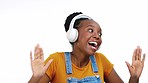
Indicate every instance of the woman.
{"type": "Point", "coordinates": [83, 64]}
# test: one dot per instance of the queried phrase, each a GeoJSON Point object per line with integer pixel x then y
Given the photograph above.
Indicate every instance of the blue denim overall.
{"type": "Point", "coordinates": [88, 79]}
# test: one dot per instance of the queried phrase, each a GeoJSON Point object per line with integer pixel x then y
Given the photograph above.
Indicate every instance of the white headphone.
{"type": "Point", "coordinates": [72, 33]}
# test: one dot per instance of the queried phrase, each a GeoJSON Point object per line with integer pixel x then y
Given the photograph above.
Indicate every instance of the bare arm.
{"type": "Point", "coordinates": [38, 66]}
{"type": "Point", "coordinates": [43, 79]}
{"type": "Point", "coordinates": [113, 78]}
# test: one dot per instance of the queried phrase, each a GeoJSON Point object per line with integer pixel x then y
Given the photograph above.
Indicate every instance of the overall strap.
{"type": "Point", "coordinates": [68, 63]}
{"type": "Point", "coordinates": [94, 64]}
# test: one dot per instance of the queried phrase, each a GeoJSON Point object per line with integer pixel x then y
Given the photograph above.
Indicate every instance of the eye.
{"type": "Point", "coordinates": [90, 30]}
{"type": "Point", "coordinates": [100, 34]}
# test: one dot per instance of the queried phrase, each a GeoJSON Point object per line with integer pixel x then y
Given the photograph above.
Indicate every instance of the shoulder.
{"type": "Point", "coordinates": [58, 59]}
{"type": "Point", "coordinates": [55, 56]}
{"type": "Point", "coordinates": [99, 55]}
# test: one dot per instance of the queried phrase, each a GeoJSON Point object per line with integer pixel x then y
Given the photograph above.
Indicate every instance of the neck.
{"type": "Point", "coordinates": [79, 58]}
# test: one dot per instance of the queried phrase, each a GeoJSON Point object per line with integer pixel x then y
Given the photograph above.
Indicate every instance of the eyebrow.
{"type": "Point", "coordinates": [94, 26]}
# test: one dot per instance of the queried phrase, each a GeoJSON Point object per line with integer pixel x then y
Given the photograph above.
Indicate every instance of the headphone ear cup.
{"type": "Point", "coordinates": [72, 35]}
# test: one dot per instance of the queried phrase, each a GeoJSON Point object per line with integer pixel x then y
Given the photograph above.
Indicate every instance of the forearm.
{"type": "Point", "coordinates": [34, 79]}
{"type": "Point", "coordinates": [134, 80]}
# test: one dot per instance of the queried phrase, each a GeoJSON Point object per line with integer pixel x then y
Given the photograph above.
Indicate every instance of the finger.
{"type": "Point", "coordinates": [31, 56]}
{"type": "Point", "coordinates": [134, 57]}
{"type": "Point", "coordinates": [143, 59]}
{"type": "Point", "coordinates": [137, 53]}
{"type": "Point", "coordinates": [128, 66]}
{"type": "Point", "coordinates": [36, 47]}
{"type": "Point", "coordinates": [42, 57]}
{"type": "Point", "coordinates": [37, 52]}
{"type": "Point", "coordinates": [140, 53]}
{"type": "Point", "coordinates": [41, 54]}
{"type": "Point", "coordinates": [47, 64]}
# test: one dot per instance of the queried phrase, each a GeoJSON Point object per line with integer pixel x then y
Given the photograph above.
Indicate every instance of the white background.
{"type": "Point", "coordinates": [24, 23]}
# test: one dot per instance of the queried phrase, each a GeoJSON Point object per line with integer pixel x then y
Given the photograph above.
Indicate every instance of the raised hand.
{"type": "Point", "coordinates": [37, 64]}
{"type": "Point", "coordinates": [137, 65]}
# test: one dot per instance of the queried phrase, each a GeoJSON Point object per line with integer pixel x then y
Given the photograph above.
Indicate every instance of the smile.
{"type": "Point", "coordinates": [94, 45]}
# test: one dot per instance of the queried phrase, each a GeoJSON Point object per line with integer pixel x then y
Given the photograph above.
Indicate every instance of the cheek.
{"type": "Point", "coordinates": [100, 41]}
{"type": "Point", "coordinates": [83, 37]}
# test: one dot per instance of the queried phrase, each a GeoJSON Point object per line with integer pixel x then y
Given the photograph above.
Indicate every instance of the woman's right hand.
{"type": "Point", "coordinates": [37, 64]}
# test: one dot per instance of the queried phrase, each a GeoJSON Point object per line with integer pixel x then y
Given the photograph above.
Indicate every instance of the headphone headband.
{"type": "Point", "coordinates": [71, 26]}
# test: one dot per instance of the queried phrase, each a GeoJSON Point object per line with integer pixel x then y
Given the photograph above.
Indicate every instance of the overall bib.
{"type": "Point", "coordinates": [88, 79]}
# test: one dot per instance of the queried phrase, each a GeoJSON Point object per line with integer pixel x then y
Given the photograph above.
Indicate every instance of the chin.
{"type": "Point", "coordinates": [91, 52]}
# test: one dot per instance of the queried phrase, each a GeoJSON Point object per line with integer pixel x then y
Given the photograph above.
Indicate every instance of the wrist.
{"type": "Point", "coordinates": [34, 79]}
{"type": "Point", "coordinates": [134, 79]}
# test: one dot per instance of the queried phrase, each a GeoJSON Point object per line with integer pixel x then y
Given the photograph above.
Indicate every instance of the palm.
{"type": "Point", "coordinates": [137, 64]}
{"type": "Point", "coordinates": [37, 65]}
{"type": "Point", "coordinates": [137, 68]}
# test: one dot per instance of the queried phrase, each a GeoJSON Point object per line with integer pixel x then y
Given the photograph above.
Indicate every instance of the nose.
{"type": "Point", "coordinates": [96, 35]}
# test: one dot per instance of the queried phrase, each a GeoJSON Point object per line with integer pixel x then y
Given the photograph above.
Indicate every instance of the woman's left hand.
{"type": "Point", "coordinates": [137, 65]}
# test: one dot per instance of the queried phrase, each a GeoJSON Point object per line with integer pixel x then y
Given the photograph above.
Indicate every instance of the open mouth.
{"type": "Point", "coordinates": [94, 45]}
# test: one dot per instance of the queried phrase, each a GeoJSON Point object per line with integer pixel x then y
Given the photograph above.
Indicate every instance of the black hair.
{"type": "Point", "coordinates": [69, 19]}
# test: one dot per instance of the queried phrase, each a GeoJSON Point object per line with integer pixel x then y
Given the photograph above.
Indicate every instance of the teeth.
{"type": "Point", "coordinates": [93, 43]}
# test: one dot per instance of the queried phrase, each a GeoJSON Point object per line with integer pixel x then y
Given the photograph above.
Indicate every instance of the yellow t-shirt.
{"type": "Point", "coordinates": [57, 69]}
